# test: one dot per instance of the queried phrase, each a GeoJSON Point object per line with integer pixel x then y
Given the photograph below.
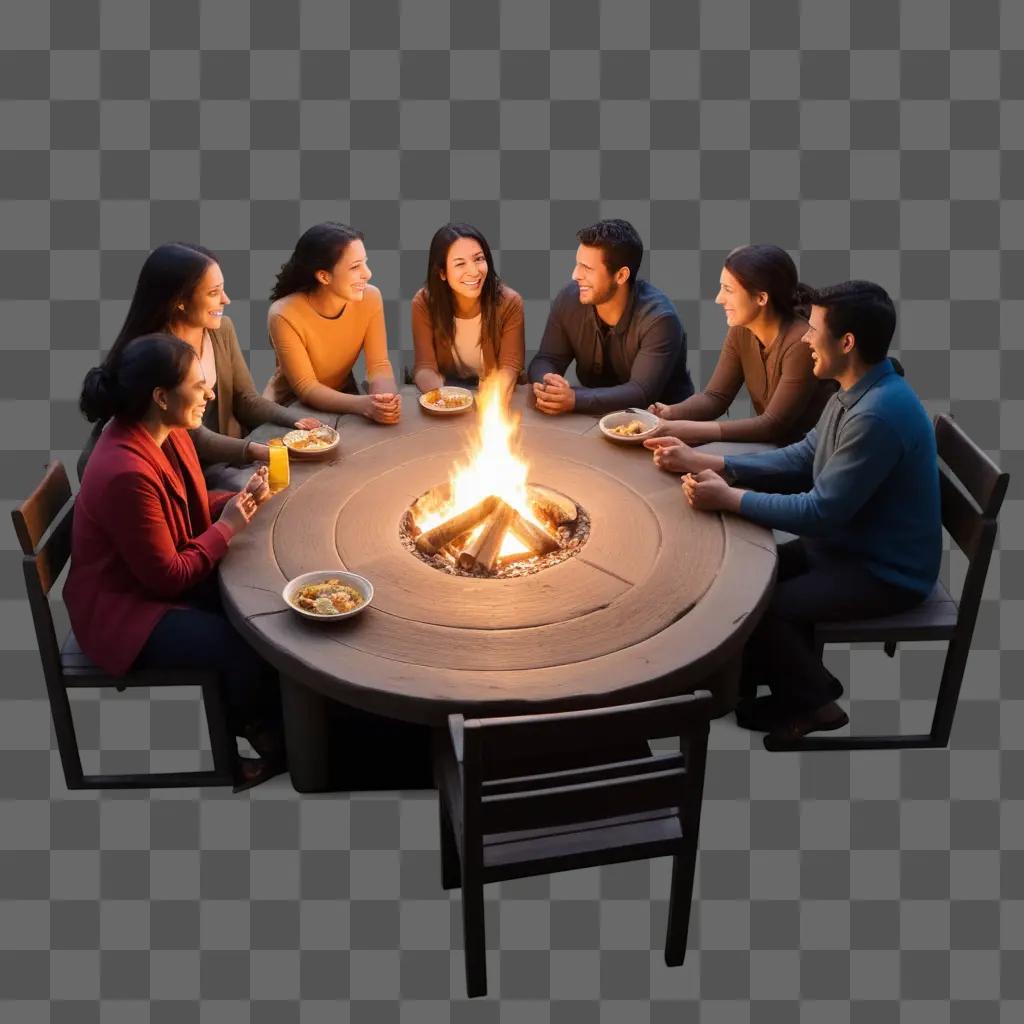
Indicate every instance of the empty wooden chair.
{"type": "Point", "coordinates": [542, 793]}
{"type": "Point", "coordinates": [43, 525]}
{"type": "Point", "coordinates": [972, 488]}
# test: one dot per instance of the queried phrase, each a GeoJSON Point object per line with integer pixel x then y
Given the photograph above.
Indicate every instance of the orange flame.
{"type": "Point", "coordinates": [493, 466]}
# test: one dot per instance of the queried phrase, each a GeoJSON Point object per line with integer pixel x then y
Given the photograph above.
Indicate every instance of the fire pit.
{"type": "Point", "coordinates": [657, 601]}
{"type": "Point", "coordinates": [487, 520]}
{"type": "Point", "coordinates": [491, 538]}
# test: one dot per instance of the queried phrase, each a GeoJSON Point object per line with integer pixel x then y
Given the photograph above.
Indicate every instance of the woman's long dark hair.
{"type": "Point", "coordinates": [439, 293]}
{"type": "Point", "coordinates": [318, 248]}
{"type": "Point", "coordinates": [124, 387]}
{"type": "Point", "coordinates": [767, 268]}
{"type": "Point", "coordinates": [168, 278]}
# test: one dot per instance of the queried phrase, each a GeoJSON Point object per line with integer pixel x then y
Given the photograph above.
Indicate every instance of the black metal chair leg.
{"type": "Point", "coordinates": [474, 940]}
{"type": "Point", "coordinates": [683, 868]}
{"type": "Point", "coordinates": [67, 741]}
{"type": "Point", "coordinates": [450, 874]}
{"type": "Point", "coordinates": [222, 744]}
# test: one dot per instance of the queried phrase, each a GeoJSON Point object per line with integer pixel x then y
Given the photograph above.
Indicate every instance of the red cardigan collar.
{"type": "Point", "coordinates": [139, 441]}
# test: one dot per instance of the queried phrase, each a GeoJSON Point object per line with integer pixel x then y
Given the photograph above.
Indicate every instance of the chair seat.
{"type": "Point", "coordinates": [74, 660]}
{"type": "Point", "coordinates": [79, 670]}
{"type": "Point", "coordinates": [933, 619]}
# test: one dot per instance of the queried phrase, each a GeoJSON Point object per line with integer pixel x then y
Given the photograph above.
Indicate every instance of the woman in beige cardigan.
{"type": "Point", "coordinates": [181, 291]}
{"type": "Point", "coordinates": [466, 324]}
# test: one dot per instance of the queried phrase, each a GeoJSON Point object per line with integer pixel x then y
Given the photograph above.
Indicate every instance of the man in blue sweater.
{"type": "Point", "coordinates": [861, 491]}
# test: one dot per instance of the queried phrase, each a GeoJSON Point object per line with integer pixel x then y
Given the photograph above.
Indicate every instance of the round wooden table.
{"type": "Point", "coordinates": [659, 600]}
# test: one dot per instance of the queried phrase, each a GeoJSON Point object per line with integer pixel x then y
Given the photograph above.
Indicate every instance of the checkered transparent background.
{"type": "Point", "coordinates": [870, 138]}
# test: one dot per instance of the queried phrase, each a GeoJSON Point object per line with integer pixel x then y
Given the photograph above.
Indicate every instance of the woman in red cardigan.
{"type": "Point", "coordinates": [141, 590]}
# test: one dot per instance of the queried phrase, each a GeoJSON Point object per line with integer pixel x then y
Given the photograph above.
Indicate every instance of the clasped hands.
{"type": "Point", "coordinates": [704, 489]}
{"type": "Point", "coordinates": [554, 395]}
{"type": "Point", "coordinates": [381, 408]}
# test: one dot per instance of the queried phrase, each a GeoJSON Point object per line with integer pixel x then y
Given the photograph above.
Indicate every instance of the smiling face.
{"type": "Point", "coordinates": [740, 306]}
{"type": "Point", "coordinates": [597, 284]}
{"type": "Point", "coordinates": [348, 278]}
{"type": "Point", "coordinates": [830, 356]}
{"type": "Point", "coordinates": [184, 405]}
{"type": "Point", "coordinates": [205, 306]}
{"type": "Point", "coordinates": [465, 268]}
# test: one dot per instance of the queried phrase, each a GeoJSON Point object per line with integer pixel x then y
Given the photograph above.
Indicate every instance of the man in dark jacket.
{"type": "Point", "coordinates": [624, 334]}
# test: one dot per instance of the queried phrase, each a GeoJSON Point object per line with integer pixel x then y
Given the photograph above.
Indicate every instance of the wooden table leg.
{"type": "Point", "coordinates": [306, 736]}
{"type": "Point", "coordinates": [725, 685]}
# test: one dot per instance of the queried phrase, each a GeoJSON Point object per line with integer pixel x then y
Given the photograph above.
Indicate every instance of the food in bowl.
{"type": "Point", "coordinates": [439, 400]}
{"type": "Point", "coordinates": [329, 597]}
{"type": "Point", "coordinates": [630, 429]}
{"type": "Point", "coordinates": [628, 426]}
{"type": "Point", "coordinates": [317, 440]}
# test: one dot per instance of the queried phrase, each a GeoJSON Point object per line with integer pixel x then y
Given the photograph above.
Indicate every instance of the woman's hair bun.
{"type": "Point", "coordinates": [98, 401]}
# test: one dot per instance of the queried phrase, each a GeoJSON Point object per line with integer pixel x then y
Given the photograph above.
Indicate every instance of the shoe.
{"type": "Point", "coordinates": [824, 719]}
{"type": "Point", "coordinates": [836, 689]}
{"type": "Point", "coordinates": [762, 714]}
{"type": "Point", "coordinates": [265, 738]}
{"type": "Point", "coordinates": [253, 771]}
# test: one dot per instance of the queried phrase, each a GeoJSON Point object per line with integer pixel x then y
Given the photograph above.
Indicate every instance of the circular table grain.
{"type": "Point", "coordinates": [658, 601]}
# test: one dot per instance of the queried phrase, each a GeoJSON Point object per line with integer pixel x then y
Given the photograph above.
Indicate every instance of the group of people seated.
{"type": "Point", "coordinates": [167, 477]}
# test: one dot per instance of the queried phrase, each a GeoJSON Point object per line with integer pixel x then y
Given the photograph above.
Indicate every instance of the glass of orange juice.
{"type": "Point", "coordinates": [278, 476]}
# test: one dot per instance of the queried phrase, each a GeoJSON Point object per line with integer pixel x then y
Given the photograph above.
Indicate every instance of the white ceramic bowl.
{"type": "Point", "coordinates": [449, 392]}
{"type": "Point", "coordinates": [621, 419]}
{"type": "Point", "coordinates": [358, 583]}
{"type": "Point", "coordinates": [316, 453]}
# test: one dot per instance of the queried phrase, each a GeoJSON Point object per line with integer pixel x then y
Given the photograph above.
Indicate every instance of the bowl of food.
{"type": "Point", "coordinates": [447, 401]}
{"type": "Point", "coordinates": [631, 426]}
{"type": "Point", "coordinates": [328, 594]}
{"type": "Point", "coordinates": [306, 444]}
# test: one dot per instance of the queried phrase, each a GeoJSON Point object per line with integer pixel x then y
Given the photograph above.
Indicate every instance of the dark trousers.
{"type": "Point", "coordinates": [199, 636]}
{"type": "Point", "coordinates": [814, 584]}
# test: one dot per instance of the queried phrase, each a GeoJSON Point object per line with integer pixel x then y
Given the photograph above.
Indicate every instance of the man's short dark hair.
{"type": "Point", "coordinates": [619, 242]}
{"type": "Point", "coordinates": [860, 308]}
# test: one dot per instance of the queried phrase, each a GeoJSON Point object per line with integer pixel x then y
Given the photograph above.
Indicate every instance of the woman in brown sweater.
{"type": "Point", "coordinates": [763, 349]}
{"type": "Point", "coordinates": [466, 324]}
{"type": "Point", "coordinates": [180, 291]}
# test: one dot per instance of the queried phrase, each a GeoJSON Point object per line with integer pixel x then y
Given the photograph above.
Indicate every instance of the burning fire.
{"type": "Point", "coordinates": [493, 466]}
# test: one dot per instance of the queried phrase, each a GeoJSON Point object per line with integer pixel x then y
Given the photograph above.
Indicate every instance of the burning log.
{"type": "Point", "coordinates": [482, 552]}
{"type": "Point", "coordinates": [552, 507]}
{"type": "Point", "coordinates": [431, 541]}
{"type": "Point", "coordinates": [539, 541]}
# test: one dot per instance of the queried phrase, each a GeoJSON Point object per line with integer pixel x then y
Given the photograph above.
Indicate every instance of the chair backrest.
{"type": "Point", "coordinates": [43, 524]}
{"type": "Point", "coordinates": [972, 488]}
{"type": "Point", "coordinates": [507, 795]}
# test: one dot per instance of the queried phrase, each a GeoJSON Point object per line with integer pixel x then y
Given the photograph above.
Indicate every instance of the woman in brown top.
{"type": "Point", "coordinates": [180, 291]}
{"type": "Point", "coordinates": [763, 349]}
{"type": "Point", "coordinates": [466, 324]}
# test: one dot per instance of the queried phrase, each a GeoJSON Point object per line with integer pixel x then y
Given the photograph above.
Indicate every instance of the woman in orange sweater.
{"type": "Point", "coordinates": [466, 324]}
{"type": "Point", "coordinates": [324, 313]}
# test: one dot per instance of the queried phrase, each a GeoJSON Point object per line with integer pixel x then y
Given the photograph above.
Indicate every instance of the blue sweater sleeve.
{"type": "Point", "coordinates": [867, 452]}
{"type": "Point", "coordinates": [787, 469]}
